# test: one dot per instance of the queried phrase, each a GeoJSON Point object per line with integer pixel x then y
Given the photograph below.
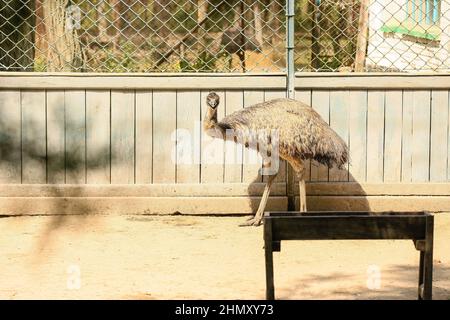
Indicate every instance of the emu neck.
{"type": "Point", "coordinates": [210, 120]}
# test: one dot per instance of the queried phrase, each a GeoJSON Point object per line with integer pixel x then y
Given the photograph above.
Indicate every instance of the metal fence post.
{"type": "Point", "coordinates": [290, 69]}
{"type": "Point", "coordinates": [290, 88]}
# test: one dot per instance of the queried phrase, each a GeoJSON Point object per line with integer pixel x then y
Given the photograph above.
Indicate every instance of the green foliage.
{"type": "Point", "coordinates": [205, 62]}
{"type": "Point", "coordinates": [329, 63]}
{"type": "Point", "coordinates": [40, 64]}
{"type": "Point", "coordinates": [123, 62]}
{"type": "Point", "coordinates": [303, 19]}
{"type": "Point", "coordinates": [187, 15]}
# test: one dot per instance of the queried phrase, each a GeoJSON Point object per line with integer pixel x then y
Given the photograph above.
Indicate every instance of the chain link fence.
{"type": "Point", "coordinates": [223, 36]}
{"type": "Point", "coordinates": [142, 35]}
{"type": "Point", "coordinates": [373, 35]}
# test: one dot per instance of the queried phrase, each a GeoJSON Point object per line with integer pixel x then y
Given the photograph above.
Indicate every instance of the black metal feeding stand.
{"type": "Point", "coordinates": [417, 226]}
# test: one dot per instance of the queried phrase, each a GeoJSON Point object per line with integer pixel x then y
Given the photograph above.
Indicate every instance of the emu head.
{"type": "Point", "coordinates": [212, 100]}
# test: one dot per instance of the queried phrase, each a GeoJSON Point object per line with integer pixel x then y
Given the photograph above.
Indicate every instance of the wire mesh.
{"type": "Point", "coordinates": [223, 36]}
{"type": "Point", "coordinates": [373, 35]}
{"type": "Point", "coordinates": [142, 35]}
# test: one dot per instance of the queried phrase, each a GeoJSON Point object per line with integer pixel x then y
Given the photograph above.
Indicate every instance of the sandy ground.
{"type": "Point", "coordinates": [186, 257]}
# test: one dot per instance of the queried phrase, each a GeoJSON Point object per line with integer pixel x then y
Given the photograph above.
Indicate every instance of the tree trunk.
{"type": "Point", "coordinates": [243, 40]}
{"type": "Point", "coordinates": [17, 35]}
{"type": "Point", "coordinates": [258, 24]}
{"type": "Point", "coordinates": [102, 22]}
{"type": "Point", "coordinates": [161, 17]}
{"type": "Point", "coordinates": [117, 21]}
{"type": "Point", "coordinates": [202, 12]}
{"type": "Point", "coordinates": [275, 22]}
{"type": "Point", "coordinates": [315, 34]}
{"type": "Point", "coordinates": [361, 42]}
{"type": "Point", "coordinates": [63, 47]}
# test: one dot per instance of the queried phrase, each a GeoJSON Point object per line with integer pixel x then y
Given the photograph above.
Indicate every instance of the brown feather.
{"type": "Point", "coordinates": [303, 134]}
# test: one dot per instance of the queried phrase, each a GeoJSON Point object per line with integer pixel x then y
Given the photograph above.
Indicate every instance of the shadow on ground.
{"type": "Point", "coordinates": [398, 282]}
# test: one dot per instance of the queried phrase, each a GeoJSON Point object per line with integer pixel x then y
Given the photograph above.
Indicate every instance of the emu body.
{"type": "Point", "coordinates": [301, 134]}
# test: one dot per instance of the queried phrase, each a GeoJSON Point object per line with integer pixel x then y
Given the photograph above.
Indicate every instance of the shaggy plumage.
{"type": "Point", "coordinates": [302, 134]}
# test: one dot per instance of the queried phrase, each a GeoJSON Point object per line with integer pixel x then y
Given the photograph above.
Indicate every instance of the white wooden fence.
{"type": "Point", "coordinates": [73, 143]}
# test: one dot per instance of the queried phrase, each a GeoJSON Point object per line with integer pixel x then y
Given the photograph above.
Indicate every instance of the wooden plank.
{"type": "Point", "coordinates": [379, 203]}
{"type": "Point", "coordinates": [305, 97]}
{"type": "Point", "coordinates": [222, 189]}
{"type": "Point", "coordinates": [212, 156]}
{"type": "Point", "coordinates": [122, 136]}
{"type": "Point", "coordinates": [172, 190]}
{"type": "Point", "coordinates": [421, 136]}
{"type": "Point", "coordinates": [348, 227]}
{"type": "Point", "coordinates": [188, 136]}
{"type": "Point", "coordinates": [208, 205]}
{"type": "Point", "coordinates": [156, 81]}
{"type": "Point", "coordinates": [10, 143]}
{"type": "Point", "coordinates": [98, 137]}
{"type": "Point", "coordinates": [320, 101]}
{"type": "Point", "coordinates": [304, 80]}
{"type": "Point", "coordinates": [252, 160]}
{"type": "Point", "coordinates": [379, 189]}
{"type": "Point", "coordinates": [137, 205]}
{"type": "Point", "coordinates": [339, 121]}
{"type": "Point", "coordinates": [407, 138]}
{"type": "Point", "coordinates": [357, 214]}
{"type": "Point", "coordinates": [282, 170]}
{"type": "Point", "coordinates": [55, 136]}
{"type": "Point", "coordinates": [144, 136]}
{"type": "Point", "coordinates": [33, 137]}
{"type": "Point", "coordinates": [357, 135]}
{"type": "Point", "coordinates": [426, 268]}
{"type": "Point", "coordinates": [393, 136]}
{"type": "Point", "coordinates": [233, 151]}
{"type": "Point", "coordinates": [372, 81]}
{"type": "Point", "coordinates": [164, 146]}
{"type": "Point", "coordinates": [268, 252]}
{"type": "Point", "coordinates": [375, 135]}
{"type": "Point", "coordinates": [75, 124]}
{"type": "Point", "coordinates": [439, 135]}
{"type": "Point", "coordinates": [138, 75]}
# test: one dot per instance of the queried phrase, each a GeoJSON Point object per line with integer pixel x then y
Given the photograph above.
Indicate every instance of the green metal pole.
{"type": "Point", "coordinates": [290, 69]}
{"type": "Point", "coordinates": [290, 87]}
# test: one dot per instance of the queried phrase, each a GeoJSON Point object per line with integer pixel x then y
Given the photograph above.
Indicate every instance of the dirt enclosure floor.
{"type": "Point", "coordinates": [192, 257]}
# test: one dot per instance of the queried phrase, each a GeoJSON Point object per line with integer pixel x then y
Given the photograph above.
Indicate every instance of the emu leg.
{"type": "Point", "coordinates": [256, 220]}
{"type": "Point", "coordinates": [302, 188]}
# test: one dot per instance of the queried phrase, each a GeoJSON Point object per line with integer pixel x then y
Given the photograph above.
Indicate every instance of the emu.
{"type": "Point", "coordinates": [301, 134]}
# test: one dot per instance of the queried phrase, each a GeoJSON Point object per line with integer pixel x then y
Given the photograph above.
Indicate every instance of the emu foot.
{"type": "Point", "coordinates": [253, 221]}
{"type": "Point", "coordinates": [303, 207]}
